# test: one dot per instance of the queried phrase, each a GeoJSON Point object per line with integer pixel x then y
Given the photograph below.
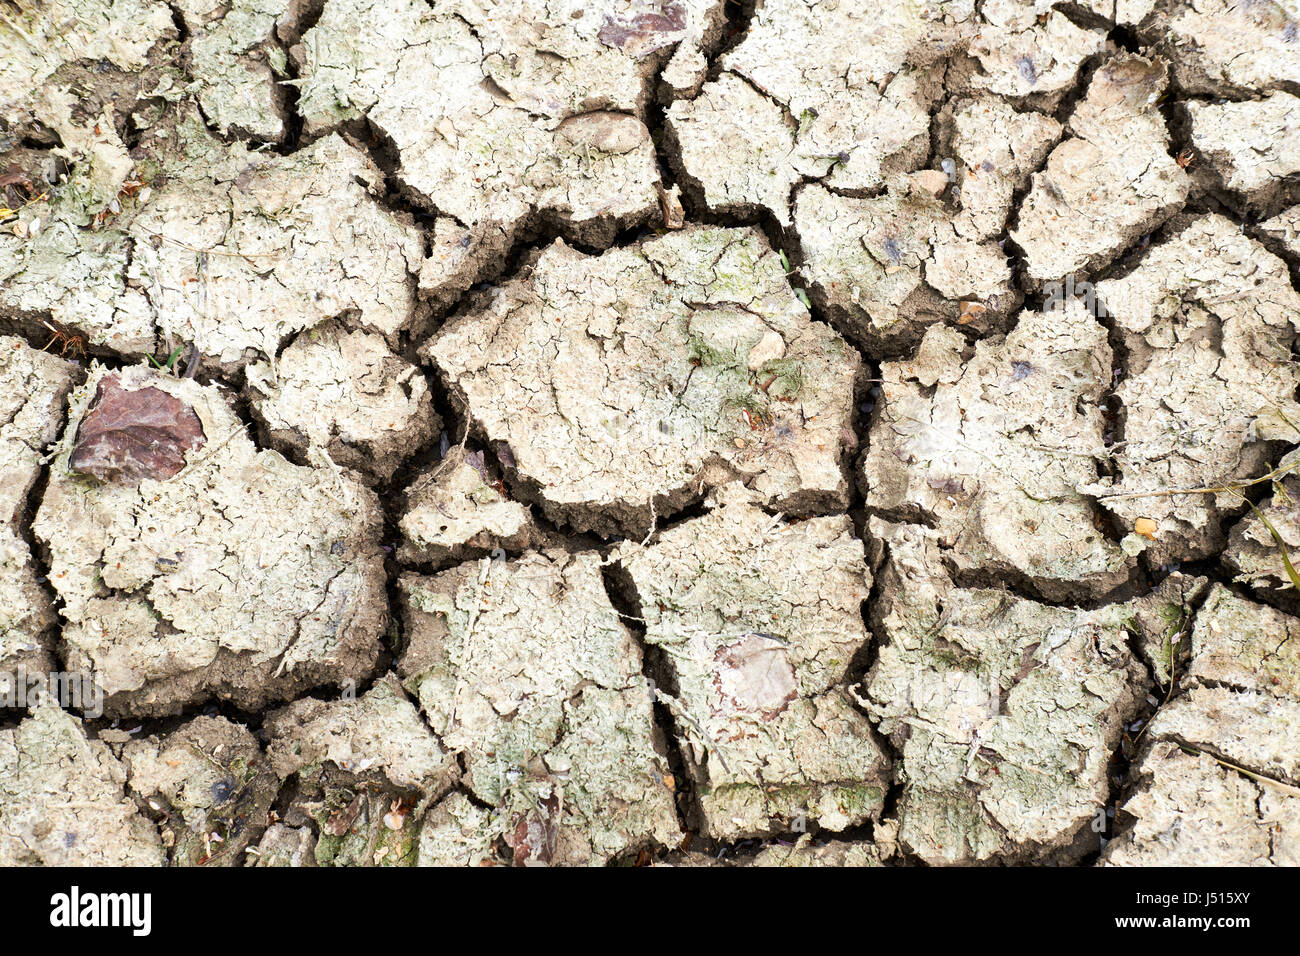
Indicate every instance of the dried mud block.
{"type": "Point", "coordinates": [683, 75]}
{"type": "Point", "coordinates": [347, 393]}
{"type": "Point", "coordinates": [835, 853]}
{"type": "Point", "coordinates": [989, 444]}
{"type": "Point", "coordinates": [1255, 730]}
{"type": "Point", "coordinates": [57, 274]}
{"type": "Point", "coordinates": [609, 794]}
{"type": "Point", "coordinates": [460, 257]}
{"type": "Point", "coordinates": [1285, 229]}
{"type": "Point", "coordinates": [1251, 150]}
{"type": "Point", "coordinates": [758, 620]}
{"type": "Point", "coordinates": [241, 250]}
{"type": "Point", "coordinates": [926, 251]}
{"type": "Point", "coordinates": [45, 37]}
{"type": "Point", "coordinates": [1217, 783]}
{"type": "Point", "coordinates": [363, 770]}
{"type": "Point", "coordinates": [1253, 554]}
{"type": "Point", "coordinates": [1208, 318]}
{"type": "Point", "coordinates": [78, 279]}
{"type": "Point", "coordinates": [888, 267]}
{"type": "Point", "coordinates": [240, 576]}
{"type": "Point", "coordinates": [1123, 12]}
{"type": "Point", "coordinates": [525, 670]}
{"type": "Point", "coordinates": [63, 799]}
{"type": "Point", "coordinates": [284, 846]}
{"type": "Point", "coordinates": [735, 146]}
{"type": "Point", "coordinates": [995, 149]}
{"type": "Point", "coordinates": [345, 69]}
{"type": "Point", "coordinates": [88, 139]}
{"type": "Point", "coordinates": [1030, 51]}
{"type": "Point", "coordinates": [1007, 711]}
{"type": "Point", "coordinates": [65, 68]}
{"type": "Point", "coordinates": [232, 251]}
{"type": "Point", "coordinates": [1223, 47]}
{"type": "Point", "coordinates": [34, 388]}
{"type": "Point", "coordinates": [1243, 704]}
{"type": "Point", "coordinates": [1279, 811]}
{"type": "Point", "coordinates": [622, 385]}
{"type": "Point", "coordinates": [521, 127]}
{"type": "Point", "coordinates": [459, 832]}
{"type": "Point", "coordinates": [380, 734]}
{"type": "Point", "coordinates": [1191, 811]}
{"type": "Point", "coordinates": [459, 509]}
{"type": "Point", "coordinates": [234, 55]}
{"type": "Point", "coordinates": [209, 787]}
{"type": "Point", "coordinates": [849, 81]}
{"type": "Point", "coordinates": [549, 60]}
{"type": "Point", "coordinates": [1163, 618]}
{"type": "Point", "coordinates": [841, 93]}
{"type": "Point", "coordinates": [739, 154]}
{"type": "Point", "coordinates": [1109, 182]}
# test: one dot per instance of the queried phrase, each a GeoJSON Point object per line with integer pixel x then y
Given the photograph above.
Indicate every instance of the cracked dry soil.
{"type": "Point", "coordinates": [658, 432]}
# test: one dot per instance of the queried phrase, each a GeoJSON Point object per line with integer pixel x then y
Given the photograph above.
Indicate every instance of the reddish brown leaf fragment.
{"type": "Point", "coordinates": [644, 33]}
{"type": "Point", "coordinates": [131, 435]}
{"type": "Point", "coordinates": [14, 176]}
{"type": "Point", "coordinates": [340, 822]}
{"type": "Point", "coordinates": [535, 832]}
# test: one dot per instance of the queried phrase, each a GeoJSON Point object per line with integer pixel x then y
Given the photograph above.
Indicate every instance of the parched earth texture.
{"type": "Point", "coordinates": [649, 432]}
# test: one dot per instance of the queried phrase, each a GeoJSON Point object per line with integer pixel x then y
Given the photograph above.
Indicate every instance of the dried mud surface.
{"type": "Point", "coordinates": [649, 432]}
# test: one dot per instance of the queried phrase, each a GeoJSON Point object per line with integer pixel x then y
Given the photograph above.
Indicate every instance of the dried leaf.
{"type": "Point", "coordinates": [644, 33]}
{"type": "Point", "coordinates": [754, 675]}
{"type": "Point", "coordinates": [14, 176]}
{"type": "Point", "coordinates": [128, 436]}
{"type": "Point", "coordinates": [670, 206]}
{"type": "Point", "coordinates": [534, 834]}
{"type": "Point", "coordinates": [970, 311]}
{"type": "Point", "coordinates": [341, 821]}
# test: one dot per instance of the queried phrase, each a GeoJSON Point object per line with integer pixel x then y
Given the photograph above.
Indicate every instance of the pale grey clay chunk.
{"type": "Point", "coordinates": [502, 113]}
{"type": "Point", "coordinates": [1109, 181]}
{"type": "Point", "coordinates": [1251, 149]}
{"type": "Point", "coordinates": [1208, 319]}
{"type": "Point", "coordinates": [997, 704]}
{"type": "Point", "coordinates": [1217, 782]}
{"type": "Point", "coordinates": [757, 621]}
{"type": "Point", "coordinates": [458, 509]}
{"type": "Point", "coordinates": [989, 445]}
{"type": "Point", "coordinates": [35, 388]}
{"type": "Point", "coordinates": [344, 393]}
{"type": "Point", "coordinates": [524, 669]}
{"type": "Point", "coordinates": [64, 798]}
{"type": "Point", "coordinates": [241, 577]}
{"type": "Point", "coordinates": [624, 384]}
